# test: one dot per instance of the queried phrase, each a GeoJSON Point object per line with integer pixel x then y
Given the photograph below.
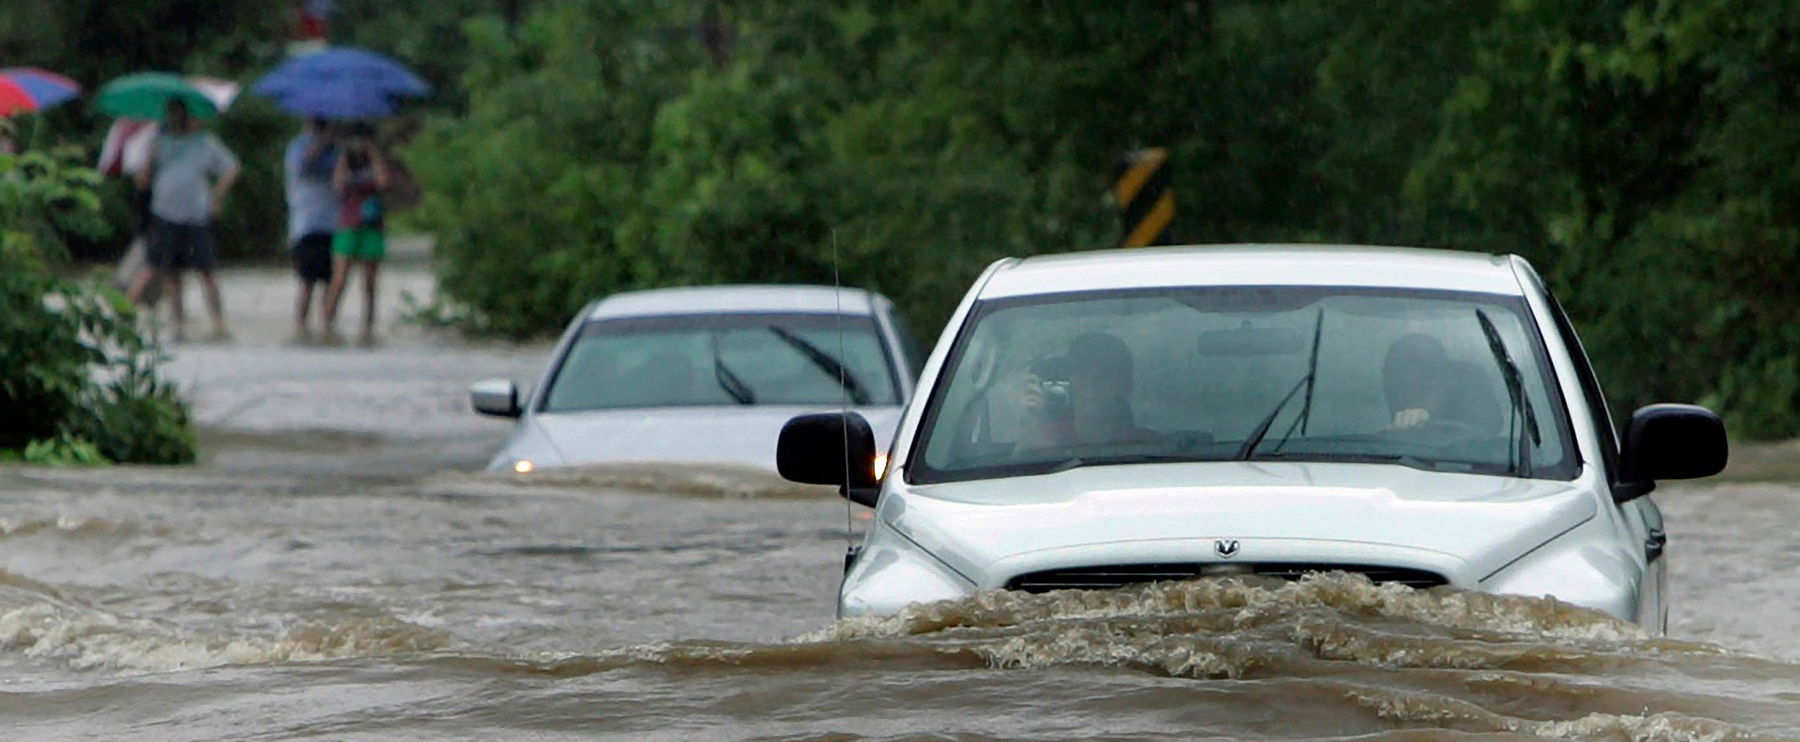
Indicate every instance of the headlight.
{"type": "Point", "coordinates": [523, 466]}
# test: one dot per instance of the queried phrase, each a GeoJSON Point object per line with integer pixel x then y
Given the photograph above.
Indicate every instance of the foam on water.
{"type": "Point", "coordinates": [68, 526]}
{"type": "Point", "coordinates": [689, 480]}
{"type": "Point", "coordinates": [38, 622]}
{"type": "Point", "coordinates": [1241, 603]}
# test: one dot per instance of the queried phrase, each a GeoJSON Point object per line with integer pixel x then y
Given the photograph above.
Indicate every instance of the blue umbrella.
{"type": "Point", "coordinates": [341, 102]}
{"type": "Point", "coordinates": [342, 68]}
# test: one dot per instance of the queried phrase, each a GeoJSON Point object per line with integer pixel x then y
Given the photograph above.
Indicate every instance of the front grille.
{"type": "Point", "coordinates": [1119, 575]}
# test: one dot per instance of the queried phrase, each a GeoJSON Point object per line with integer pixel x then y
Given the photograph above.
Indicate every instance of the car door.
{"type": "Point", "coordinates": [1641, 515]}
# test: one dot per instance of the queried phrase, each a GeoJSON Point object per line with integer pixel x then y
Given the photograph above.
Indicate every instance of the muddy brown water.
{"type": "Point", "coordinates": [336, 569]}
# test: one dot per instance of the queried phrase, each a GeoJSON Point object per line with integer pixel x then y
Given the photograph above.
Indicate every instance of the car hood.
{"type": "Point", "coordinates": [1465, 524]}
{"type": "Point", "coordinates": [721, 435]}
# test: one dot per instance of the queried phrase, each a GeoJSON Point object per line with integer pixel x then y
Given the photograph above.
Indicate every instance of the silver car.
{"type": "Point", "coordinates": [1102, 419]}
{"type": "Point", "coordinates": [704, 375]}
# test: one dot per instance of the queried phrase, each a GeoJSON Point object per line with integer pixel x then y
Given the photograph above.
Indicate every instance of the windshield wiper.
{"type": "Point", "coordinates": [1312, 382]}
{"type": "Point", "coordinates": [827, 363]}
{"type": "Point", "coordinates": [1312, 372]}
{"type": "Point", "coordinates": [729, 381]}
{"type": "Point", "coordinates": [1515, 388]}
{"type": "Point", "coordinates": [732, 385]}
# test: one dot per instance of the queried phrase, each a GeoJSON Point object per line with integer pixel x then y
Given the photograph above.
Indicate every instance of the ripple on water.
{"type": "Point", "coordinates": [1331, 654]}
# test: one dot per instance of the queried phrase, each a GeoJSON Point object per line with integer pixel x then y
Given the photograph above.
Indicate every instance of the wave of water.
{"type": "Point", "coordinates": [39, 622]}
{"type": "Point", "coordinates": [691, 480]}
{"type": "Point", "coordinates": [73, 527]}
{"type": "Point", "coordinates": [495, 606]}
{"type": "Point", "coordinates": [1350, 652]}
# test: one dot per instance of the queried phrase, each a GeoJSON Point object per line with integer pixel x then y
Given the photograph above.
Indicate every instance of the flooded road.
{"type": "Point", "coordinates": [335, 569]}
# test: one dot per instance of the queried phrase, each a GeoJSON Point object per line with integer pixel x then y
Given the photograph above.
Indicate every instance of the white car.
{"type": "Point", "coordinates": [1100, 419]}
{"type": "Point", "coordinates": [704, 375]}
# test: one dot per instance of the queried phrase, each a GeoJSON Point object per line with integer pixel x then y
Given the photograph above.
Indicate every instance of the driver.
{"type": "Point", "coordinates": [666, 378]}
{"type": "Point", "coordinates": [1081, 397]}
{"type": "Point", "coordinates": [1412, 376]}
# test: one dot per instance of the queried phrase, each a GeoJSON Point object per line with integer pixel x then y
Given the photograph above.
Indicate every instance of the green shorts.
{"type": "Point", "coordinates": [359, 243]}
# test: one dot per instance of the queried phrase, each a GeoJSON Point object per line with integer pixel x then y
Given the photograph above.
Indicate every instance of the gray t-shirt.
{"type": "Point", "coordinates": [186, 166]}
{"type": "Point", "coordinates": [313, 205]}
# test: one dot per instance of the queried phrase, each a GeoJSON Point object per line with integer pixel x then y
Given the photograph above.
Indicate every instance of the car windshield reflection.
{"type": "Point", "coordinates": [735, 359]}
{"type": "Point", "coordinates": [1432, 380]}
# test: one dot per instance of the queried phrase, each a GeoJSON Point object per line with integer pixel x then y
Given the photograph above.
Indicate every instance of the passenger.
{"type": "Point", "coordinates": [1081, 398]}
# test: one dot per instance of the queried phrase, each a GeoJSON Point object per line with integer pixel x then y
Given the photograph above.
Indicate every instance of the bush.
{"type": "Point", "coordinates": [1640, 153]}
{"type": "Point", "coordinates": [77, 381]}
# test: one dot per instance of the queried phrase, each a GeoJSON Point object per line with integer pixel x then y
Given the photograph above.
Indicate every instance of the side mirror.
{"type": "Point", "coordinates": [497, 397]}
{"type": "Point", "coordinates": [1669, 441]}
{"type": "Point", "coordinates": [830, 448]}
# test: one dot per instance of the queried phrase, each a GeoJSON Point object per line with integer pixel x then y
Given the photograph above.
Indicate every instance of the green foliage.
{"type": "Point", "coordinates": [94, 41]}
{"type": "Point", "coordinates": [1643, 155]}
{"type": "Point", "coordinates": [63, 450]}
{"type": "Point", "coordinates": [76, 379]}
{"type": "Point", "coordinates": [1640, 152]}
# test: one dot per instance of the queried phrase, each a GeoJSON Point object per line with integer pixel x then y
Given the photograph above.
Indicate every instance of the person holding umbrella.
{"type": "Point", "coordinates": [349, 84]}
{"type": "Point", "coordinates": [361, 176]}
{"type": "Point", "coordinates": [189, 174]}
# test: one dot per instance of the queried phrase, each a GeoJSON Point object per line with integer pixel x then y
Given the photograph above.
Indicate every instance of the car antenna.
{"type": "Point", "coordinates": [837, 299]}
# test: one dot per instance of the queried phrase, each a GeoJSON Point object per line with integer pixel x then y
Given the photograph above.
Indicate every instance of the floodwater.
{"type": "Point", "coordinates": [336, 568]}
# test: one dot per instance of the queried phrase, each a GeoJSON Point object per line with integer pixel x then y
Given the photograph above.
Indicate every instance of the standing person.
{"type": "Point", "coordinates": [188, 174]}
{"type": "Point", "coordinates": [360, 177]}
{"type": "Point", "coordinates": [313, 211]}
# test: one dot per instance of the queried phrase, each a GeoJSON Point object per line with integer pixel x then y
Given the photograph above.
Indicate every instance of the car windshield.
{"type": "Point", "coordinates": [1433, 380]}
{"type": "Point", "coordinates": [724, 359]}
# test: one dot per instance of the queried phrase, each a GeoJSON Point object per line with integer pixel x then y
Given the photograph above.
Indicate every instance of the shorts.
{"type": "Point", "coordinates": [359, 243]}
{"type": "Point", "coordinates": [312, 257]}
{"type": "Point", "coordinates": [174, 247]}
{"type": "Point", "coordinates": [140, 212]}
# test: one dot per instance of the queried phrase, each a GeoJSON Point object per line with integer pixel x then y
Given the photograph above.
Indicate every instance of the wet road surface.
{"type": "Point", "coordinates": [336, 568]}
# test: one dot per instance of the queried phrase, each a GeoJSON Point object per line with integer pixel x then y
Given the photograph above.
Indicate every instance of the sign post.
{"type": "Point", "coordinates": [1146, 204]}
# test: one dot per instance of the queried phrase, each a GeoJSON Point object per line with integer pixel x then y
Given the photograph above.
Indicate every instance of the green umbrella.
{"type": "Point", "coordinates": [143, 95]}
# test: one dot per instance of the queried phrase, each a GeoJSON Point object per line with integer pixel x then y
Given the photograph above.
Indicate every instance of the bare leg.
{"type": "Point", "coordinates": [340, 270]}
{"type": "Point", "coordinates": [370, 269]}
{"type": "Point", "coordinates": [303, 307]}
{"type": "Point", "coordinates": [140, 281]}
{"type": "Point", "coordinates": [209, 287]}
{"type": "Point", "coordinates": [177, 317]}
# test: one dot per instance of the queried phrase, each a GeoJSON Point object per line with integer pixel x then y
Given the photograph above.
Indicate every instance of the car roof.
{"type": "Point", "coordinates": [1255, 265]}
{"type": "Point", "coordinates": [735, 299]}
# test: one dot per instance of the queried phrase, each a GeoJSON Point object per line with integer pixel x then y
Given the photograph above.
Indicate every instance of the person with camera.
{"type": "Point", "coordinates": [360, 177]}
{"type": "Point", "coordinates": [1081, 398]}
